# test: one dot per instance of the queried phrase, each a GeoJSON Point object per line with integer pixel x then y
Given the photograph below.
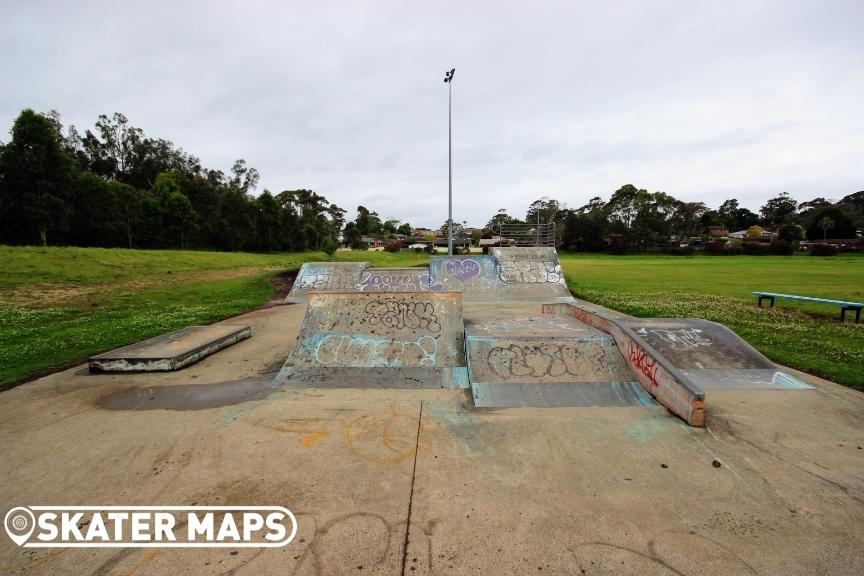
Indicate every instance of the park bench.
{"type": "Point", "coordinates": [844, 306]}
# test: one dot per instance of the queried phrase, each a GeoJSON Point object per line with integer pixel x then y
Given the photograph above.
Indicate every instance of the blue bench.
{"type": "Point", "coordinates": [844, 306]}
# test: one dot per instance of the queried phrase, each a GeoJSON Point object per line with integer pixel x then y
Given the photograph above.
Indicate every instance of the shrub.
{"type": "Point", "coordinates": [418, 250]}
{"type": "Point", "coordinates": [392, 246]}
{"type": "Point", "coordinates": [682, 251]}
{"type": "Point", "coordinates": [823, 250]}
{"type": "Point", "coordinates": [430, 248]}
{"type": "Point", "coordinates": [328, 245]}
{"type": "Point", "coordinates": [716, 247]}
{"type": "Point", "coordinates": [755, 248]}
{"type": "Point", "coordinates": [734, 250]}
{"type": "Point", "coordinates": [782, 247]}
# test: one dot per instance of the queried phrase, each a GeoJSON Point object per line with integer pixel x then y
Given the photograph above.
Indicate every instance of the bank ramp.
{"type": "Point", "coordinates": [535, 360]}
{"type": "Point", "coordinates": [379, 340]}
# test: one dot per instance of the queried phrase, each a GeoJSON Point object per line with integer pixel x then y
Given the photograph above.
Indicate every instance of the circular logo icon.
{"type": "Point", "coordinates": [19, 523]}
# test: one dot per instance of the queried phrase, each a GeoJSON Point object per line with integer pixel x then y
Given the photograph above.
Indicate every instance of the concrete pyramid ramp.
{"type": "Point", "coordinates": [379, 340]}
{"type": "Point", "coordinates": [711, 355]}
{"type": "Point", "coordinates": [547, 361]}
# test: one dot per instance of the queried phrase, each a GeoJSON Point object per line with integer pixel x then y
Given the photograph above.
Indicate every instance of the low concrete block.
{"type": "Point", "coordinates": [170, 351]}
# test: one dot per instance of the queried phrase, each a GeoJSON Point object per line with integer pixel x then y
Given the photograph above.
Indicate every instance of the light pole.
{"type": "Point", "coordinates": [448, 79]}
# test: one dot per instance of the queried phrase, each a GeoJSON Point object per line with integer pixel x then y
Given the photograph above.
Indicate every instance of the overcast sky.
{"type": "Point", "coordinates": [705, 100]}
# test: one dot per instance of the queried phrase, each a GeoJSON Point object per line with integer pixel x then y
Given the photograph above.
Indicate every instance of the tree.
{"type": "Point", "coordinates": [778, 209]}
{"type": "Point", "coordinates": [180, 217]}
{"type": "Point", "coordinates": [545, 209]}
{"type": "Point", "coordinates": [368, 222]}
{"type": "Point", "coordinates": [754, 233]}
{"type": "Point", "coordinates": [826, 223]}
{"type": "Point", "coordinates": [831, 219]}
{"type": "Point", "coordinates": [328, 245]}
{"type": "Point", "coordinates": [37, 180]}
{"type": "Point", "coordinates": [791, 233]}
{"type": "Point", "coordinates": [405, 229]}
{"type": "Point", "coordinates": [494, 224]}
{"type": "Point", "coordinates": [352, 236]}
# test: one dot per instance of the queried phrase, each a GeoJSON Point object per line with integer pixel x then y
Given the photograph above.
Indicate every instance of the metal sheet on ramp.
{"type": "Point", "coordinates": [743, 378]}
{"type": "Point", "coordinates": [560, 394]}
{"type": "Point", "coordinates": [711, 355]}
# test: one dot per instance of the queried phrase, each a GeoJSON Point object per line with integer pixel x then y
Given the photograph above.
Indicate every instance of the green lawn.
{"type": "Point", "coordinates": [63, 304]}
{"type": "Point", "coordinates": [805, 336]}
{"type": "Point", "coordinates": [58, 305]}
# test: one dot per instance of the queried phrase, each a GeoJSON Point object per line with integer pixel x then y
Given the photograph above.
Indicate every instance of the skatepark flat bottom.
{"type": "Point", "coordinates": [415, 481]}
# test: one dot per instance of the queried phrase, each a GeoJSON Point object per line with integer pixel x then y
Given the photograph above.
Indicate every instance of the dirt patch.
{"type": "Point", "coordinates": [282, 284]}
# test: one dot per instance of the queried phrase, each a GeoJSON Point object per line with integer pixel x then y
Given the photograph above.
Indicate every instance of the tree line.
{"type": "Point", "coordinates": [635, 219]}
{"type": "Point", "coordinates": [114, 186]}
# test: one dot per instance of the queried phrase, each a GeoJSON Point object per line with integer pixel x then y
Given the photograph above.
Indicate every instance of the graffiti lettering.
{"type": "Point", "coordinates": [325, 282]}
{"type": "Point", "coordinates": [537, 361]}
{"type": "Point", "coordinates": [642, 362]}
{"type": "Point", "coordinates": [393, 314]}
{"type": "Point", "coordinates": [683, 339]}
{"type": "Point", "coordinates": [463, 269]}
{"type": "Point", "coordinates": [343, 350]}
{"type": "Point", "coordinates": [399, 283]}
{"type": "Point", "coordinates": [515, 272]}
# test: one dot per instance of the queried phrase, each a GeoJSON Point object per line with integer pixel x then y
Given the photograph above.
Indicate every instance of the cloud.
{"type": "Point", "coordinates": [704, 101]}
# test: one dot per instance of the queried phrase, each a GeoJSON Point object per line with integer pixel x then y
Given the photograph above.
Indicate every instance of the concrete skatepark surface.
{"type": "Point", "coordinates": [420, 481]}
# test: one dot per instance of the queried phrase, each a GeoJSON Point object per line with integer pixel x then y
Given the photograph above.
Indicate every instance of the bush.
{"type": "Point", "coordinates": [328, 246]}
{"type": "Point", "coordinates": [430, 248]}
{"type": "Point", "coordinates": [418, 250]}
{"type": "Point", "coordinates": [392, 246]}
{"type": "Point", "coordinates": [823, 250]}
{"type": "Point", "coordinates": [682, 251]}
{"type": "Point", "coordinates": [716, 247]}
{"type": "Point", "coordinates": [734, 250]}
{"type": "Point", "coordinates": [782, 247]}
{"type": "Point", "coordinates": [755, 248]}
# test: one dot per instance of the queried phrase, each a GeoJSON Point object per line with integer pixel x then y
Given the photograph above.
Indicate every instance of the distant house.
{"type": "Point", "coordinates": [713, 231]}
{"type": "Point", "coordinates": [372, 242]}
{"type": "Point", "coordinates": [422, 232]}
{"type": "Point", "coordinates": [742, 235]}
{"type": "Point", "coordinates": [457, 242]}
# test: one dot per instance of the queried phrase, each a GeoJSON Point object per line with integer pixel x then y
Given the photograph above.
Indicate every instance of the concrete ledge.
{"type": "Point", "coordinates": [171, 351]}
{"type": "Point", "coordinates": [666, 383]}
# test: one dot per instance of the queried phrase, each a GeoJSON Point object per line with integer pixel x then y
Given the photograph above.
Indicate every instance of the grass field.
{"type": "Point", "coordinates": [804, 336]}
{"type": "Point", "coordinates": [63, 304]}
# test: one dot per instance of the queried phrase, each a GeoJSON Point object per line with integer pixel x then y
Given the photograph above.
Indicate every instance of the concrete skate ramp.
{"type": "Point", "coordinates": [387, 339]}
{"type": "Point", "coordinates": [669, 385]}
{"type": "Point", "coordinates": [711, 355]}
{"type": "Point", "coordinates": [536, 360]}
{"type": "Point", "coordinates": [397, 280]}
{"type": "Point", "coordinates": [326, 277]}
{"type": "Point", "coordinates": [505, 274]}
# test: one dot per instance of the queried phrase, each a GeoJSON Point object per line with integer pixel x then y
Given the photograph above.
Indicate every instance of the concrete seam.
{"type": "Point", "coordinates": [411, 497]}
